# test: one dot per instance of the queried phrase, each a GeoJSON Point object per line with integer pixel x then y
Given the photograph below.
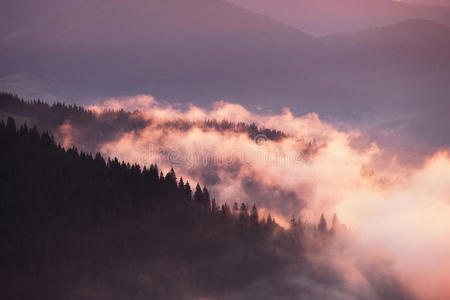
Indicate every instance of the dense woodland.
{"type": "Point", "coordinates": [73, 224]}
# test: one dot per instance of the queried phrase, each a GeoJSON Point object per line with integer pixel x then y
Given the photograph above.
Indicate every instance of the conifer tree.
{"type": "Point", "coordinates": [254, 218]}
{"type": "Point", "coordinates": [322, 226]}
{"type": "Point", "coordinates": [187, 191]}
{"type": "Point", "coordinates": [198, 195]}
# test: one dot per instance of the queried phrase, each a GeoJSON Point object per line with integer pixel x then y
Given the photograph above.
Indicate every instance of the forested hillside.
{"type": "Point", "coordinates": [77, 226]}
{"type": "Point", "coordinates": [109, 124]}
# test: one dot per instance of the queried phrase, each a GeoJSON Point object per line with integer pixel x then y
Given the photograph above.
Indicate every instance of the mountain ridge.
{"type": "Point", "coordinates": [220, 39]}
{"type": "Point", "coordinates": [325, 17]}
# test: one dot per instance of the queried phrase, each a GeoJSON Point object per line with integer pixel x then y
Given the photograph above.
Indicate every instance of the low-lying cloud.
{"type": "Point", "coordinates": [400, 212]}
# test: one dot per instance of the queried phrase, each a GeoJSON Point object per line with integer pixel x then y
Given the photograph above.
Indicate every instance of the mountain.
{"type": "Point", "coordinates": [429, 2]}
{"type": "Point", "coordinates": [104, 48]}
{"type": "Point", "coordinates": [20, 15]}
{"type": "Point", "coordinates": [403, 70]}
{"type": "Point", "coordinates": [329, 16]}
{"type": "Point", "coordinates": [413, 50]}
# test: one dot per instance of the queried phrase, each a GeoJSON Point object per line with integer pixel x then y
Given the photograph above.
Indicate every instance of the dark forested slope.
{"type": "Point", "coordinates": [77, 226]}
{"type": "Point", "coordinates": [70, 222]}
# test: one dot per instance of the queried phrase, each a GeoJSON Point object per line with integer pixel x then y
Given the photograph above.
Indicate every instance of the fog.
{"type": "Point", "coordinates": [397, 212]}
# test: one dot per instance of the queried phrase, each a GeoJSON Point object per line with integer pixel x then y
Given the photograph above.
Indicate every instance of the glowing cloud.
{"type": "Point", "coordinates": [402, 212]}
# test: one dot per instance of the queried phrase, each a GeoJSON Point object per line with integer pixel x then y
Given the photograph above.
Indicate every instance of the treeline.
{"type": "Point", "coordinates": [47, 117]}
{"type": "Point", "coordinates": [70, 219]}
{"type": "Point", "coordinates": [252, 130]}
{"type": "Point", "coordinates": [109, 124]}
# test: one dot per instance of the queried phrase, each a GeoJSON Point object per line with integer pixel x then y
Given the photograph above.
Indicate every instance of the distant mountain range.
{"type": "Point", "coordinates": [331, 16]}
{"type": "Point", "coordinates": [429, 2]}
{"type": "Point", "coordinates": [190, 47]}
{"type": "Point", "coordinates": [403, 74]}
{"type": "Point", "coordinates": [390, 77]}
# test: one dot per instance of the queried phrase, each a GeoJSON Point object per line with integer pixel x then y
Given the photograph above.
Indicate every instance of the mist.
{"type": "Point", "coordinates": [397, 212]}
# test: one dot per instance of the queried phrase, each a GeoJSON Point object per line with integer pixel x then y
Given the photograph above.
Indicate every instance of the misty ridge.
{"type": "Point", "coordinates": [95, 129]}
